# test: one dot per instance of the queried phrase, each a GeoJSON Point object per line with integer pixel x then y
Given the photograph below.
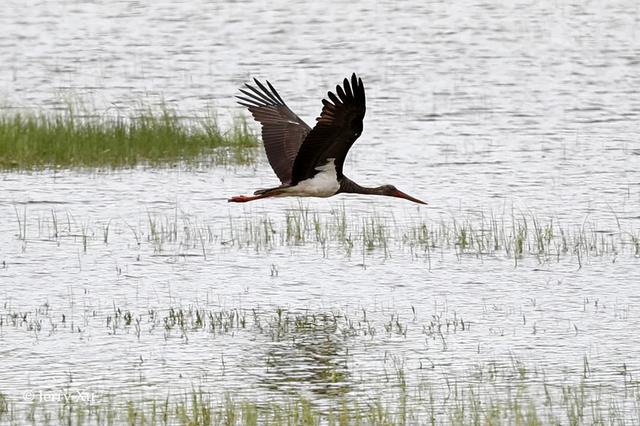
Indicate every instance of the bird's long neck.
{"type": "Point", "coordinates": [350, 187]}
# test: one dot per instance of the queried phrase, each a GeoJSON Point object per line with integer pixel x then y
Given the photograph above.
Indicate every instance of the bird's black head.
{"type": "Point", "coordinates": [392, 191]}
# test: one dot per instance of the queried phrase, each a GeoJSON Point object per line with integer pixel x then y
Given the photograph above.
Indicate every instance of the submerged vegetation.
{"type": "Point", "coordinates": [279, 364]}
{"type": "Point", "coordinates": [515, 236]}
{"type": "Point", "coordinates": [319, 351]}
{"type": "Point", "coordinates": [494, 395]}
{"type": "Point", "coordinates": [87, 140]}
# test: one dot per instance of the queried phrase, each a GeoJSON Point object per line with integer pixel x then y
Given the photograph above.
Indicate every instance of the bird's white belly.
{"type": "Point", "coordinates": [323, 184]}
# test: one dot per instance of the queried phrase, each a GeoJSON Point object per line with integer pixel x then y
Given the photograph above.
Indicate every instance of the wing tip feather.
{"type": "Point", "coordinates": [262, 95]}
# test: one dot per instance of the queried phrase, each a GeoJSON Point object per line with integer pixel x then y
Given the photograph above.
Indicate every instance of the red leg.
{"type": "Point", "coordinates": [244, 198]}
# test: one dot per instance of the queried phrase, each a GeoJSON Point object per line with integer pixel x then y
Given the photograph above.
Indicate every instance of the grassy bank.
{"type": "Point", "coordinates": [32, 141]}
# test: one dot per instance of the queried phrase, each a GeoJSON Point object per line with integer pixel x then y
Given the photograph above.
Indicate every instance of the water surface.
{"type": "Point", "coordinates": [528, 108]}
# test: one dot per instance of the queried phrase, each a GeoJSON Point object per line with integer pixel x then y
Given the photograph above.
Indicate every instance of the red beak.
{"type": "Point", "coordinates": [401, 194]}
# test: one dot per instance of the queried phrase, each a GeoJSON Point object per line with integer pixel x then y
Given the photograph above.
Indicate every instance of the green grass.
{"type": "Point", "coordinates": [511, 236]}
{"type": "Point", "coordinates": [500, 397]}
{"type": "Point", "coordinates": [503, 391]}
{"type": "Point", "coordinates": [32, 141]}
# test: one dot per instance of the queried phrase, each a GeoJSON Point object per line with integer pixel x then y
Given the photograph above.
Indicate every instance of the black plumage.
{"type": "Point", "coordinates": [297, 153]}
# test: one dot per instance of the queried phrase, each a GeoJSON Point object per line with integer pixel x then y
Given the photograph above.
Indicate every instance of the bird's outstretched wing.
{"type": "Point", "coordinates": [282, 130]}
{"type": "Point", "coordinates": [337, 128]}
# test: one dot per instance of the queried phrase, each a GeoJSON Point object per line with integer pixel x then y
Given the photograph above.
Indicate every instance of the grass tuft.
{"type": "Point", "coordinates": [31, 141]}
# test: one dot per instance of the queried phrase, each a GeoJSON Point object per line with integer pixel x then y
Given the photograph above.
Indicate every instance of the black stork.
{"type": "Point", "coordinates": [309, 161]}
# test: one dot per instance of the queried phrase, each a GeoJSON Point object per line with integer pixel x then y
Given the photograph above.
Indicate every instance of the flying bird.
{"type": "Point", "coordinates": [309, 161]}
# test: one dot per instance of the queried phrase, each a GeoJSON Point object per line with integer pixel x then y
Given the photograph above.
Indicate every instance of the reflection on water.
{"type": "Point", "coordinates": [307, 350]}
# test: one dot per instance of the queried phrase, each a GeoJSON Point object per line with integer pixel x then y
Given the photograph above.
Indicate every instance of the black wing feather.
{"type": "Point", "coordinates": [282, 130]}
{"type": "Point", "coordinates": [337, 128]}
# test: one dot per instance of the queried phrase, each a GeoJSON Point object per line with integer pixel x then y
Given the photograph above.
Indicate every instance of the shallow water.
{"type": "Point", "coordinates": [529, 108]}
